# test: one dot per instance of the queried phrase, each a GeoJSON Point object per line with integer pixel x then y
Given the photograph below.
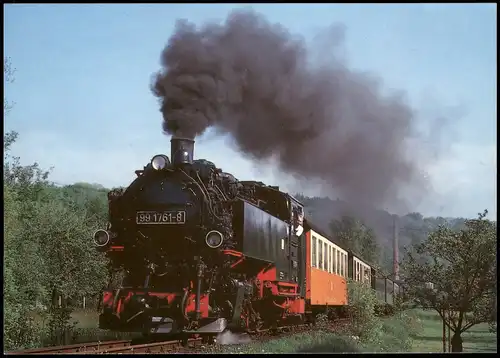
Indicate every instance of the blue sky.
{"type": "Point", "coordinates": [83, 103]}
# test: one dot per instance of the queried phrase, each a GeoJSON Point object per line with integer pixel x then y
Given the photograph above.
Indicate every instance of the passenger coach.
{"type": "Point", "coordinates": [326, 271]}
{"type": "Point", "coordinates": [328, 266]}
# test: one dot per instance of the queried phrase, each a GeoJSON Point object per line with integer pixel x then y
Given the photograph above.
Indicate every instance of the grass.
{"type": "Point", "coordinates": [314, 342]}
{"type": "Point", "coordinates": [87, 329]}
{"type": "Point", "coordinates": [420, 331]}
{"type": "Point", "coordinates": [86, 318]}
{"type": "Point", "coordinates": [426, 336]}
{"type": "Point", "coordinates": [430, 337]}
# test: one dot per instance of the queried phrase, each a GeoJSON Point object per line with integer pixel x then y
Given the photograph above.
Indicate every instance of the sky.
{"type": "Point", "coordinates": [83, 104]}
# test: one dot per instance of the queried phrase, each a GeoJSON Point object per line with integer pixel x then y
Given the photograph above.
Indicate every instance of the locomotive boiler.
{"type": "Point", "coordinates": [201, 251]}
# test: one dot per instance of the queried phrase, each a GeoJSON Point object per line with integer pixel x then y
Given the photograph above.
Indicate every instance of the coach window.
{"type": "Point", "coordinates": [338, 263]}
{"type": "Point", "coordinates": [344, 265]}
{"type": "Point", "coordinates": [341, 264]}
{"type": "Point", "coordinates": [334, 259]}
{"type": "Point", "coordinates": [325, 250]}
{"type": "Point", "coordinates": [330, 259]}
{"type": "Point", "coordinates": [320, 255]}
{"type": "Point", "coordinates": [367, 275]}
{"type": "Point", "coordinates": [314, 252]}
{"type": "Point", "coordinates": [332, 250]}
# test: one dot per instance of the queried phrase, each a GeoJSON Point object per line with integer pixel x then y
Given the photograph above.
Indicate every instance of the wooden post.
{"type": "Point", "coordinates": [395, 248]}
{"type": "Point", "coordinates": [60, 301]}
{"type": "Point", "coordinates": [444, 331]}
{"type": "Point", "coordinates": [83, 302]}
{"type": "Point", "coordinates": [449, 331]}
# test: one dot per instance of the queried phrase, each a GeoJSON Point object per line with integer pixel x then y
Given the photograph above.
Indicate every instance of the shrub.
{"type": "Point", "coordinates": [322, 321]}
{"type": "Point", "coordinates": [398, 332]}
{"type": "Point", "coordinates": [361, 311]}
{"type": "Point", "coordinates": [329, 343]}
{"type": "Point", "coordinates": [20, 329]}
{"type": "Point", "coordinates": [59, 326]}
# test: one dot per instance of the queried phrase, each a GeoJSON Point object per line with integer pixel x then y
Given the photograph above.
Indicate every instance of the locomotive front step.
{"type": "Point", "coordinates": [217, 326]}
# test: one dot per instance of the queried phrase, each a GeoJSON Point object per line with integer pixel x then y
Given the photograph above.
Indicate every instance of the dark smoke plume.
{"type": "Point", "coordinates": [258, 83]}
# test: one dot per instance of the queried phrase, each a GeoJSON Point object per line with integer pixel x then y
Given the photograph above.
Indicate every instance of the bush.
{"type": "Point", "coordinates": [60, 327]}
{"type": "Point", "coordinates": [20, 330]}
{"type": "Point", "coordinates": [322, 321]}
{"type": "Point", "coordinates": [310, 342]}
{"type": "Point", "coordinates": [388, 334]}
{"type": "Point", "coordinates": [330, 344]}
{"type": "Point", "coordinates": [361, 311]}
{"type": "Point", "coordinates": [398, 332]}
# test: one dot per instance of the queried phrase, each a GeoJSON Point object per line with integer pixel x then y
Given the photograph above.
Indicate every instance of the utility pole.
{"type": "Point", "coordinates": [395, 247]}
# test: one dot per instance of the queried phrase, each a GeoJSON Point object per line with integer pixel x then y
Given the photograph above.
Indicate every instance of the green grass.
{"type": "Point", "coordinates": [418, 331]}
{"type": "Point", "coordinates": [314, 342]}
{"type": "Point", "coordinates": [87, 329]}
{"type": "Point", "coordinates": [426, 335]}
{"type": "Point", "coordinates": [86, 318]}
{"type": "Point", "coordinates": [430, 337]}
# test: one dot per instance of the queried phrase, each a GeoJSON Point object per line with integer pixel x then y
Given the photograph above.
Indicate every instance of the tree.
{"type": "Point", "coordinates": [8, 77]}
{"type": "Point", "coordinates": [461, 264]}
{"type": "Point", "coordinates": [354, 235]}
{"type": "Point", "coordinates": [47, 246]}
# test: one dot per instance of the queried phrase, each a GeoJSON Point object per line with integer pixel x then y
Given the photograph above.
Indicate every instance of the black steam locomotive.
{"type": "Point", "coordinates": [201, 251]}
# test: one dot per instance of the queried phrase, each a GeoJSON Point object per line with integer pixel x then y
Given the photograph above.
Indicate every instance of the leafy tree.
{"type": "Point", "coordinates": [19, 328]}
{"type": "Point", "coordinates": [8, 77]}
{"type": "Point", "coordinates": [461, 264]}
{"type": "Point", "coordinates": [20, 280]}
{"type": "Point", "coordinates": [47, 247]}
{"type": "Point", "coordinates": [354, 235]}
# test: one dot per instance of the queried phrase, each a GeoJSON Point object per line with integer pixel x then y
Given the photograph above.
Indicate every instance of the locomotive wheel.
{"type": "Point", "coordinates": [208, 339]}
{"type": "Point", "coordinates": [184, 341]}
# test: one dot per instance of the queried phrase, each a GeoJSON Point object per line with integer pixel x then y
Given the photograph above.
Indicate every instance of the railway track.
{"type": "Point", "coordinates": [131, 347]}
{"type": "Point", "coordinates": [116, 347]}
{"type": "Point", "coordinates": [157, 347]}
{"type": "Point", "coordinates": [94, 347]}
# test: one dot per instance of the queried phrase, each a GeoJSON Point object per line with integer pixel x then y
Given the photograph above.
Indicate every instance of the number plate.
{"type": "Point", "coordinates": [161, 217]}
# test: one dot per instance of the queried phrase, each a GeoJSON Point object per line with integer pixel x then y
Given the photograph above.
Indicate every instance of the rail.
{"type": "Point", "coordinates": [94, 347]}
{"type": "Point", "coordinates": [156, 347]}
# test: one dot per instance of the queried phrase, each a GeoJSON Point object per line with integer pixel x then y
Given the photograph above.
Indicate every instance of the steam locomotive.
{"type": "Point", "coordinates": [202, 252]}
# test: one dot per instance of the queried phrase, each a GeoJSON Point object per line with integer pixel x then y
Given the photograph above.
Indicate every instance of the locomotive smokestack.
{"type": "Point", "coordinates": [181, 150]}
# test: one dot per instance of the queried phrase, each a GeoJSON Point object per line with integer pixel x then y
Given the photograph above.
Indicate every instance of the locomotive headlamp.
{"type": "Point", "coordinates": [160, 162]}
{"type": "Point", "coordinates": [101, 238]}
{"type": "Point", "coordinates": [214, 239]}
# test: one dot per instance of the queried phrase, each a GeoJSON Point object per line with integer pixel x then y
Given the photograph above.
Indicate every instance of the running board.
{"type": "Point", "coordinates": [217, 326]}
{"type": "Point", "coordinates": [162, 325]}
